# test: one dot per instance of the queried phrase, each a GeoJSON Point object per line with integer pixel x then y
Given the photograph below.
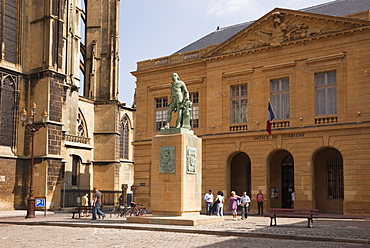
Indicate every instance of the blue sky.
{"type": "Point", "coordinates": [156, 28]}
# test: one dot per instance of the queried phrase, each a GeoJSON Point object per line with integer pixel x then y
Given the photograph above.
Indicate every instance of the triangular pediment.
{"type": "Point", "coordinates": [281, 26]}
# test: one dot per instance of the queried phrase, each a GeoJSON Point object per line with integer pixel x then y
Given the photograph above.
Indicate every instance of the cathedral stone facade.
{"type": "Point", "coordinates": [62, 55]}
{"type": "Point", "coordinates": [313, 66]}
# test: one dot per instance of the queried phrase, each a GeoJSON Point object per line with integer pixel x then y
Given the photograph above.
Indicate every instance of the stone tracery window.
{"type": "Point", "coordinates": [7, 107]}
{"type": "Point", "coordinates": [81, 125]}
{"type": "Point", "coordinates": [124, 137]}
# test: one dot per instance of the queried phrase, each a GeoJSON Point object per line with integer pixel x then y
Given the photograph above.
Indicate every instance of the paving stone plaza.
{"type": "Point", "coordinates": [60, 230]}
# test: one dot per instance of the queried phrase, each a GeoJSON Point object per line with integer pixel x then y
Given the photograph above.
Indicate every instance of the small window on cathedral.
{"type": "Point", "coordinates": [81, 126]}
{"type": "Point", "coordinates": [124, 138]}
{"type": "Point", "coordinates": [75, 170]}
{"type": "Point", "coordinates": [7, 105]}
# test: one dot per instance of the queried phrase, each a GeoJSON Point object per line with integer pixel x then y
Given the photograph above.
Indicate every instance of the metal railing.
{"type": "Point", "coordinates": [109, 198]}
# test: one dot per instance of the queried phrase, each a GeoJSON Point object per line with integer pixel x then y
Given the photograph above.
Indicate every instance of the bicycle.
{"type": "Point", "coordinates": [115, 209]}
{"type": "Point", "coordinates": [136, 210]}
{"type": "Point", "coordinates": [119, 210]}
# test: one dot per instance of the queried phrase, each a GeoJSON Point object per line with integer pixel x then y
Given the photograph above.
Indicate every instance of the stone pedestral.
{"type": "Point", "coordinates": [176, 180]}
{"type": "Point", "coordinates": [176, 173]}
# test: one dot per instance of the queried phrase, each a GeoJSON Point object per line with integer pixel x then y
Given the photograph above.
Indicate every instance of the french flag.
{"type": "Point", "coordinates": [270, 117]}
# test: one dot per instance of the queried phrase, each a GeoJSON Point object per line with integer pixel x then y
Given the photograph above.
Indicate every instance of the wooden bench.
{"type": "Point", "coordinates": [292, 213]}
{"type": "Point", "coordinates": [79, 209]}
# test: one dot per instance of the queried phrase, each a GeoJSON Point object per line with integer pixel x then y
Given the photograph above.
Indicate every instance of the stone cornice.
{"type": "Point", "coordinates": [324, 58]}
{"type": "Point", "coordinates": [47, 73]}
{"type": "Point", "coordinates": [237, 73]}
{"type": "Point", "coordinates": [279, 66]}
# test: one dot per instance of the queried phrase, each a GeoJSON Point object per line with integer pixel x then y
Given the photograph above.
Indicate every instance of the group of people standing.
{"type": "Point", "coordinates": [215, 205]}
{"type": "Point", "coordinates": [96, 203]}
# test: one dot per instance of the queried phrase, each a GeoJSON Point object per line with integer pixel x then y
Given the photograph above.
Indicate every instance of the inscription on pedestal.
{"type": "Point", "coordinates": [191, 160]}
{"type": "Point", "coordinates": [167, 159]}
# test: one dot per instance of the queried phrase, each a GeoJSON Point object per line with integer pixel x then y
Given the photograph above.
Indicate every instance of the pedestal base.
{"type": "Point", "coordinates": [187, 220]}
{"type": "Point", "coordinates": [176, 173]}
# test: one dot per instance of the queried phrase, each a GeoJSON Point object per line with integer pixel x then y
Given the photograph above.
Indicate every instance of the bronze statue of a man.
{"type": "Point", "coordinates": [179, 96]}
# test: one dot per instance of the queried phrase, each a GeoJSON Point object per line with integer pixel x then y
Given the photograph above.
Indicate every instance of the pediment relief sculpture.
{"type": "Point", "coordinates": [279, 27]}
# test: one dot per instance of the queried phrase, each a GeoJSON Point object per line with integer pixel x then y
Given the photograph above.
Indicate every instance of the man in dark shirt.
{"type": "Point", "coordinates": [97, 204]}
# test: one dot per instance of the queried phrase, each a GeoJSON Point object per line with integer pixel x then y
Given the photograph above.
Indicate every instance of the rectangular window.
{"type": "Point", "coordinates": [161, 107]}
{"type": "Point", "coordinates": [326, 93]}
{"type": "Point", "coordinates": [280, 98]}
{"type": "Point", "coordinates": [75, 170]}
{"type": "Point", "coordinates": [194, 98]}
{"type": "Point", "coordinates": [239, 104]}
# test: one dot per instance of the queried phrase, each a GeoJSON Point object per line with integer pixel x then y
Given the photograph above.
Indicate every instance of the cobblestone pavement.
{"type": "Point", "coordinates": [61, 230]}
{"type": "Point", "coordinates": [54, 236]}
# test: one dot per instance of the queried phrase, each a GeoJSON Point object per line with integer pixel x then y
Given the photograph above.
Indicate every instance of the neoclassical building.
{"type": "Point", "coordinates": [62, 56]}
{"type": "Point", "coordinates": [313, 65]}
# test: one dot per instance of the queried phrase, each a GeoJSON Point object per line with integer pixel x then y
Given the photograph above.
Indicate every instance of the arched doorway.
{"type": "Point", "coordinates": [240, 173]}
{"type": "Point", "coordinates": [281, 179]}
{"type": "Point", "coordinates": [328, 180]}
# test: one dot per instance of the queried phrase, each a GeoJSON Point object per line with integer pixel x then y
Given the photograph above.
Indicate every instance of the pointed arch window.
{"type": "Point", "coordinates": [81, 125]}
{"type": "Point", "coordinates": [124, 138]}
{"type": "Point", "coordinates": [7, 106]}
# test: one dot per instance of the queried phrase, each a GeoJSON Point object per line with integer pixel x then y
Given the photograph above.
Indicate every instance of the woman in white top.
{"type": "Point", "coordinates": [220, 203]}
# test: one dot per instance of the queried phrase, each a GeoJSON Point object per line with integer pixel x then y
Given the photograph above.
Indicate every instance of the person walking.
{"type": "Point", "coordinates": [97, 204]}
{"type": "Point", "coordinates": [260, 198]}
{"type": "Point", "coordinates": [85, 202]}
{"type": "Point", "coordinates": [208, 197]}
{"type": "Point", "coordinates": [244, 201]}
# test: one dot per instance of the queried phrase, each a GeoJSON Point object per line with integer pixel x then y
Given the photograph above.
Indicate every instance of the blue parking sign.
{"type": "Point", "coordinates": [40, 203]}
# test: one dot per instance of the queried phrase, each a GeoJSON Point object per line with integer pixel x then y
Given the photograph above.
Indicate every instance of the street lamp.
{"type": "Point", "coordinates": [32, 127]}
